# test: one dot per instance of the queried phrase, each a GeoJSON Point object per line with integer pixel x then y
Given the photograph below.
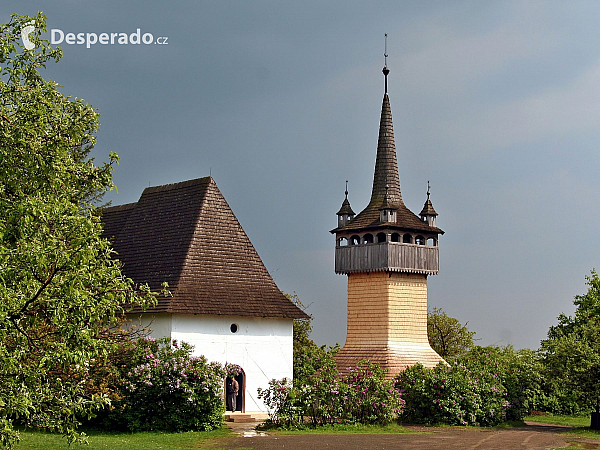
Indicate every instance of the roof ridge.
{"type": "Point", "coordinates": [180, 185]}
{"type": "Point", "coordinates": [123, 207]}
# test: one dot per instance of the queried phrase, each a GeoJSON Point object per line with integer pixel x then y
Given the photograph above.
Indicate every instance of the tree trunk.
{"type": "Point", "coordinates": [595, 425]}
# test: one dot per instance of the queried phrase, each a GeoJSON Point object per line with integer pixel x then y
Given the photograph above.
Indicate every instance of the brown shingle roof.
{"type": "Point", "coordinates": [345, 209]}
{"type": "Point", "coordinates": [187, 235]}
{"type": "Point", "coordinates": [405, 220]}
{"type": "Point", "coordinates": [428, 209]}
{"type": "Point", "coordinates": [116, 219]}
{"type": "Point", "coordinates": [386, 178]}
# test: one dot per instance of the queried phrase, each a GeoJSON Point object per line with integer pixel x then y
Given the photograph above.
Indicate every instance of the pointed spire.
{"type": "Point", "coordinates": [386, 165]}
{"type": "Point", "coordinates": [386, 181]}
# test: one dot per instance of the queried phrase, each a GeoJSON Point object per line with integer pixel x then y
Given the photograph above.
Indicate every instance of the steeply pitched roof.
{"type": "Point", "coordinates": [386, 174]}
{"type": "Point", "coordinates": [114, 221]}
{"type": "Point", "coordinates": [428, 209]}
{"type": "Point", "coordinates": [187, 235]}
{"type": "Point", "coordinates": [345, 209]}
{"type": "Point", "coordinates": [386, 164]}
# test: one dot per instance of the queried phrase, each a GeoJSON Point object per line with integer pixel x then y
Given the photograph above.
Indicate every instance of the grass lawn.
{"type": "Point", "coordinates": [124, 441]}
{"type": "Point", "coordinates": [580, 424]}
{"type": "Point", "coordinates": [571, 421]}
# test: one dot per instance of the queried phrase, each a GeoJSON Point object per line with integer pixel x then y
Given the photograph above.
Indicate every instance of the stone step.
{"type": "Point", "coordinates": [240, 418]}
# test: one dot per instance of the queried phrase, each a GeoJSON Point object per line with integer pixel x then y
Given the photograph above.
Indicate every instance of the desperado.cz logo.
{"type": "Point", "coordinates": [57, 36]}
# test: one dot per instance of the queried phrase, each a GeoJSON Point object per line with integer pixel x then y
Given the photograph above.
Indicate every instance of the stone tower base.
{"type": "Point", "coordinates": [387, 322]}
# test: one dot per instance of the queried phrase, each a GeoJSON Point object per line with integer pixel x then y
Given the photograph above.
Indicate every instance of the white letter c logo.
{"type": "Point", "coordinates": [25, 36]}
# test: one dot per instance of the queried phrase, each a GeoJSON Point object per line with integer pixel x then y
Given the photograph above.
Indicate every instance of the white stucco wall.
{"type": "Point", "coordinates": [159, 324]}
{"type": "Point", "coordinates": [263, 347]}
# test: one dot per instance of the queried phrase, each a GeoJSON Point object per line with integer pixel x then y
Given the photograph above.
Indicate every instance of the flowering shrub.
{"type": "Point", "coordinates": [486, 386]}
{"type": "Point", "coordinates": [280, 398]}
{"type": "Point", "coordinates": [368, 397]}
{"type": "Point", "coordinates": [452, 395]}
{"type": "Point", "coordinates": [167, 389]}
{"type": "Point", "coordinates": [232, 370]}
{"type": "Point", "coordinates": [363, 396]}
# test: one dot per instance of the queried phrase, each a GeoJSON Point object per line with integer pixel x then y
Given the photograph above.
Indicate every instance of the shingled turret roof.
{"type": "Point", "coordinates": [386, 179]}
{"type": "Point", "coordinates": [428, 208]}
{"type": "Point", "coordinates": [345, 208]}
{"type": "Point", "coordinates": [187, 235]}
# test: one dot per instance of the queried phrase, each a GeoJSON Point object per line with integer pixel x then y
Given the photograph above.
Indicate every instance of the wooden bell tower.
{"type": "Point", "coordinates": [387, 252]}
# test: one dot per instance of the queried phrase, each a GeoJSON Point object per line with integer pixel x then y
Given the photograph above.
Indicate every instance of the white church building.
{"type": "Point", "coordinates": [224, 302]}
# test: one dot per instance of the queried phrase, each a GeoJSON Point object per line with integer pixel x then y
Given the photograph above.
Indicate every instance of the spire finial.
{"type": "Point", "coordinates": [428, 189]}
{"type": "Point", "coordinates": [385, 70]}
{"type": "Point", "coordinates": [346, 189]}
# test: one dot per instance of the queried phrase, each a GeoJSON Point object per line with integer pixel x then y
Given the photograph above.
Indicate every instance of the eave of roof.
{"type": "Point", "coordinates": [406, 220]}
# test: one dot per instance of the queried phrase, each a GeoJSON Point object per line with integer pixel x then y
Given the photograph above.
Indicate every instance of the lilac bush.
{"type": "Point", "coordinates": [451, 395]}
{"type": "Point", "coordinates": [368, 397]}
{"type": "Point", "coordinates": [485, 387]}
{"type": "Point", "coordinates": [280, 398]}
{"type": "Point", "coordinates": [168, 389]}
{"type": "Point", "coordinates": [232, 370]}
{"type": "Point", "coordinates": [328, 397]}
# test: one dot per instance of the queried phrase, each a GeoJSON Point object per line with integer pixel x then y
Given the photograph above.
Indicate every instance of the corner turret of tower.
{"type": "Point", "coordinates": [345, 214]}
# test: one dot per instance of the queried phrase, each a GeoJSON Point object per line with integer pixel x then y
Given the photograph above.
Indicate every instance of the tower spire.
{"type": "Point", "coordinates": [386, 165]}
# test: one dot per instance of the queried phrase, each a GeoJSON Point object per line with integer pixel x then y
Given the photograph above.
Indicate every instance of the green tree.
{"type": "Point", "coordinates": [60, 288]}
{"type": "Point", "coordinates": [447, 336]}
{"type": "Point", "coordinates": [572, 353]}
{"type": "Point", "coordinates": [308, 356]}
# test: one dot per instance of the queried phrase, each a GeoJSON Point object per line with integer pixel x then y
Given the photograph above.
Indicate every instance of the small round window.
{"type": "Point", "coordinates": [234, 327]}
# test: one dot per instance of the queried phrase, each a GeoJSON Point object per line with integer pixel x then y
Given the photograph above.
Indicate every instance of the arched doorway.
{"type": "Point", "coordinates": [240, 401]}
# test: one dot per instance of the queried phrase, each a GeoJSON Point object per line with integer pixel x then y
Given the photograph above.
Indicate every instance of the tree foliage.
{"type": "Point", "coordinates": [60, 288]}
{"type": "Point", "coordinates": [308, 356]}
{"type": "Point", "coordinates": [572, 352]}
{"type": "Point", "coordinates": [447, 336]}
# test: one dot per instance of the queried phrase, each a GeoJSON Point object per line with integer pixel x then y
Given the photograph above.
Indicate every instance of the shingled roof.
{"type": "Point", "coordinates": [187, 235]}
{"type": "Point", "coordinates": [386, 184]}
{"type": "Point", "coordinates": [428, 208]}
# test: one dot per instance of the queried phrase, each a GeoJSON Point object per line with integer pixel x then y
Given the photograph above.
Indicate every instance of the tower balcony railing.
{"type": "Point", "coordinates": [387, 256]}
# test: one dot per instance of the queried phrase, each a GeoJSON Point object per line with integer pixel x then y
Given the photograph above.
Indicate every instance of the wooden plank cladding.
{"type": "Point", "coordinates": [387, 256]}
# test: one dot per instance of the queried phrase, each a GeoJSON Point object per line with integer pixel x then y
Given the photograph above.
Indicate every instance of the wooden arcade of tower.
{"type": "Point", "coordinates": [387, 252]}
